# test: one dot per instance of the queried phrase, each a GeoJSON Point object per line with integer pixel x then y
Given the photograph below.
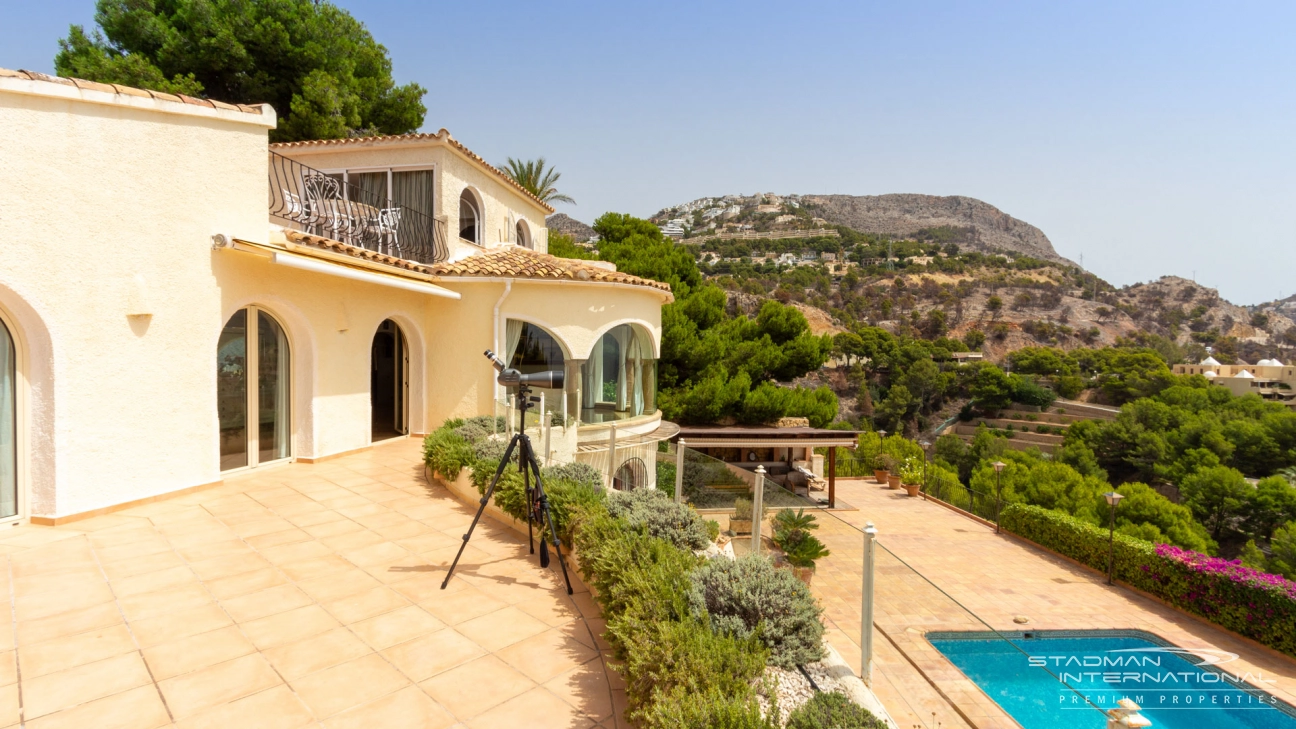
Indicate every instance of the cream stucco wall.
{"type": "Point", "coordinates": [454, 173]}
{"type": "Point", "coordinates": [111, 207]}
{"type": "Point", "coordinates": [116, 297]}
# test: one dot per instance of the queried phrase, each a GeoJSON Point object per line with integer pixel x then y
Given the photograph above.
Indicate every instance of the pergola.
{"type": "Point", "coordinates": [751, 437]}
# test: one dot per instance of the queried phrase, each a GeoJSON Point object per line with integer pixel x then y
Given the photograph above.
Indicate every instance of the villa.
{"type": "Point", "coordinates": [1268, 378]}
{"type": "Point", "coordinates": [181, 300]}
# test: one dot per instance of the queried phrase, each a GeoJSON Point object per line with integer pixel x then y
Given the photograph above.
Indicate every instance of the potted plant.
{"type": "Point", "coordinates": [888, 469]}
{"type": "Point", "coordinates": [741, 521]}
{"type": "Point", "coordinates": [911, 476]}
{"type": "Point", "coordinates": [802, 549]}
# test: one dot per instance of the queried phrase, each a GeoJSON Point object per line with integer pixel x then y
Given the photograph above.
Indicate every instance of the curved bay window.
{"type": "Point", "coordinates": [252, 376]}
{"type": "Point", "coordinates": [529, 349]}
{"type": "Point", "coordinates": [619, 380]}
{"type": "Point", "coordinates": [8, 425]}
{"type": "Point", "coordinates": [631, 475]}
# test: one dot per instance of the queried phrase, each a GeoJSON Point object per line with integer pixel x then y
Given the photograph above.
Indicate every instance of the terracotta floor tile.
{"type": "Point", "coordinates": [139, 565]}
{"type": "Point", "coordinates": [501, 628]}
{"type": "Point", "coordinates": [138, 708]}
{"type": "Point", "coordinates": [174, 626]}
{"type": "Point", "coordinates": [196, 652]}
{"type": "Point", "coordinates": [397, 626]}
{"type": "Point", "coordinates": [289, 627]}
{"type": "Point", "coordinates": [408, 708]}
{"type": "Point", "coordinates": [349, 684]}
{"type": "Point", "coordinates": [45, 604]}
{"type": "Point", "coordinates": [425, 657]}
{"type": "Point", "coordinates": [272, 601]}
{"type": "Point", "coordinates": [221, 567]}
{"type": "Point", "coordinates": [546, 655]}
{"type": "Point", "coordinates": [460, 689]}
{"type": "Point", "coordinates": [153, 581]}
{"type": "Point", "coordinates": [70, 651]}
{"type": "Point", "coordinates": [375, 554]}
{"type": "Point", "coordinates": [248, 582]}
{"type": "Point", "coordinates": [191, 693]}
{"type": "Point", "coordinates": [306, 569]}
{"type": "Point", "coordinates": [94, 617]}
{"type": "Point", "coordinates": [336, 585]}
{"type": "Point", "coordinates": [317, 653]}
{"type": "Point", "coordinates": [163, 602]}
{"type": "Point", "coordinates": [296, 551]}
{"type": "Point", "coordinates": [274, 539]}
{"type": "Point", "coordinates": [535, 709]}
{"type": "Point", "coordinates": [273, 708]}
{"type": "Point", "coordinates": [586, 688]}
{"type": "Point", "coordinates": [367, 604]}
{"type": "Point", "coordinates": [53, 692]}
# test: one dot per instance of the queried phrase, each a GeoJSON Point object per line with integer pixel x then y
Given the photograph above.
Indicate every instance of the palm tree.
{"type": "Point", "coordinates": [535, 179]}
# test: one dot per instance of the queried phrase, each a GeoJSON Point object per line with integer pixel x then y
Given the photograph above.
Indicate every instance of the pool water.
{"type": "Point", "coordinates": [1043, 678]}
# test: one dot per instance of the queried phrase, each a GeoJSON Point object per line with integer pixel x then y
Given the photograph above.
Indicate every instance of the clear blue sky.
{"type": "Point", "coordinates": [1154, 138]}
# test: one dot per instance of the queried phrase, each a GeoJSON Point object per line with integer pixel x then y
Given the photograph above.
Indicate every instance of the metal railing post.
{"type": "Point", "coordinates": [758, 502]}
{"type": "Point", "coordinates": [679, 471]}
{"type": "Point", "coordinates": [866, 606]}
{"type": "Point", "coordinates": [611, 473]}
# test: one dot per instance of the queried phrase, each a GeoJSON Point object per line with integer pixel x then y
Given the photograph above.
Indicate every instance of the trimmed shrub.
{"type": "Point", "coordinates": [660, 516]}
{"type": "Point", "coordinates": [446, 452]}
{"type": "Point", "coordinates": [1257, 605]}
{"type": "Point", "coordinates": [574, 472]}
{"type": "Point", "coordinates": [751, 597]}
{"type": "Point", "coordinates": [678, 671]}
{"type": "Point", "coordinates": [830, 710]}
{"type": "Point", "coordinates": [713, 529]}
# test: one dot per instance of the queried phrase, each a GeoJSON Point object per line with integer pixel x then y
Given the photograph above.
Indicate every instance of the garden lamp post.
{"type": "Point", "coordinates": [924, 444]}
{"type": "Point", "coordinates": [1113, 499]}
{"type": "Point", "coordinates": [998, 467]}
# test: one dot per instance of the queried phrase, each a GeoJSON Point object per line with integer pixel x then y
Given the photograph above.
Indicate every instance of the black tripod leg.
{"type": "Point", "coordinates": [526, 492]}
{"type": "Point", "coordinates": [482, 508]}
{"type": "Point", "coordinates": [548, 517]}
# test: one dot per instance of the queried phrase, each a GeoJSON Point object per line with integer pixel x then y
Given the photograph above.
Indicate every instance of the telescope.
{"type": "Point", "coordinates": [509, 377]}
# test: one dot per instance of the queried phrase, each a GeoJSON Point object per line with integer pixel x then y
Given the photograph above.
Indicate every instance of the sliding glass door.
{"type": "Point", "coordinates": [8, 425]}
{"type": "Point", "coordinates": [253, 371]}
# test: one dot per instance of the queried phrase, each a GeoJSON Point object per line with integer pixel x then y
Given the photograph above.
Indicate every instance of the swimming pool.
{"type": "Point", "coordinates": [1043, 678]}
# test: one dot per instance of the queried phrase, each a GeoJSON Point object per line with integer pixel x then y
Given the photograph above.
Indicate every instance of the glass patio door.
{"type": "Point", "coordinates": [8, 425]}
{"type": "Point", "coordinates": [253, 372]}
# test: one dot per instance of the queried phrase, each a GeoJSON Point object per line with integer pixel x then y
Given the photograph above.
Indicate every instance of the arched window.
{"type": "Point", "coordinates": [630, 475]}
{"type": "Point", "coordinates": [470, 216]}
{"type": "Point", "coordinates": [524, 235]}
{"type": "Point", "coordinates": [8, 424]}
{"type": "Point", "coordinates": [619, 380]}
{"type": "Point", "coordinates": [531, 349]}
{"type": "Point", "coordinates": [253, 371]}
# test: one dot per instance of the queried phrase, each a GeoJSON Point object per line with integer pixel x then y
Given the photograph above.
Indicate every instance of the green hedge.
{"type": "Point", "coordinates": [1248, 602]}
{"type": "Point", "coordinates": [678, 671]}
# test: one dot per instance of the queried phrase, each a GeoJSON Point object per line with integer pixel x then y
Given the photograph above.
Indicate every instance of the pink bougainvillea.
{"type": "Point", "coordinates": [1232, 570]}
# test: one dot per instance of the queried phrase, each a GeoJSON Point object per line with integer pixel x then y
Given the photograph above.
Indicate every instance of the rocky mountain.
{"type": "Point", "coordinates": [567, 225]}
{"type": "Point", "coordinates": [991, 229]}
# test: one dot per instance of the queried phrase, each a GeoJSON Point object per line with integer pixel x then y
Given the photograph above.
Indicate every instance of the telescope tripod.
{"type": "Point", "coordinates": [538, 511]}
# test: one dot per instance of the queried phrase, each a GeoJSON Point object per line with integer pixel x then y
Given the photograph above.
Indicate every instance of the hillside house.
{"type": "Point", "coordinates": [236, 304]}
{"type": "Point", "coordinates": [1269, 378]}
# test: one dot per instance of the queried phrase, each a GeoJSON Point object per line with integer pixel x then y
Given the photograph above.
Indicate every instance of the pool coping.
{"type": "Point", "coordinates": [1010, 635]}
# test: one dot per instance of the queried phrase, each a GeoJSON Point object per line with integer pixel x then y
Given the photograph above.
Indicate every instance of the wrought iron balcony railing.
{"type": "Point", "coordinates": [323, 205]}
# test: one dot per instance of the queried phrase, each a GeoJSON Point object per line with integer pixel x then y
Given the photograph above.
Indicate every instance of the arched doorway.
{"type": "Point", "coordinates": [630, 475]}
{"type": "Point", "coordinates": [8, 424]}
{"type": "Point", "coordinates": [253, 374]}
{"type": "Point", "coordinates": [389, 382]}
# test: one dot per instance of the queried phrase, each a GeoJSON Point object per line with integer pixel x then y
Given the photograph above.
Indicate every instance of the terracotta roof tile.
{"type": "Point", "coordinates": [127, 91]}
{"type": "Point", "coordinates": [506, 262]}
{"type": "Point", "coordinates": [517, 262]}
{"type": "Point", "coordinates": [443, 136]}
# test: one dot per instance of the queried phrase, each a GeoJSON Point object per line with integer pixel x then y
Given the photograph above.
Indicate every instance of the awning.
{"type": "Point", "coordinates": [765, 437]}
{"type": "Point", "coordinates": [367, 273]}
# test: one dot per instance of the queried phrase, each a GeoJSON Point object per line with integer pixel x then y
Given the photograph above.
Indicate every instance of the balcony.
{"type": "Point", "coordinates": [311, 201]}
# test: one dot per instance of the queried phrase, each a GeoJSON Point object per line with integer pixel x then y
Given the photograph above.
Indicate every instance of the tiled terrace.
{"type": "Point", "coordinates": [981, 576]}
{"type": "Point", "coordinates": [300, 595]}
